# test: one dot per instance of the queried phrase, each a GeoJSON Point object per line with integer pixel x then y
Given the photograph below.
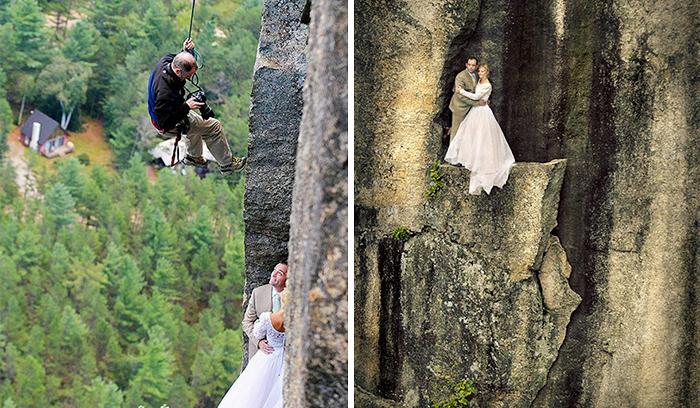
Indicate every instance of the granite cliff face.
{"type": "Point", "coordinates": [479, 292]}
{"type": "Point", "coordinates": [317, 347]}
{"type": "Point", "coordinates": [612, 87]}
{"type": "Point", "coordinates": [275, 116]}
{"type": "Point", "coordinates": [297, 189]}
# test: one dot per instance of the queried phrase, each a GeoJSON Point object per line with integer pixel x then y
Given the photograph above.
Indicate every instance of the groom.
{"type": "Point", "coordinates": [265, 298]}
{"type": "Point", "coordinates": [460, 104]}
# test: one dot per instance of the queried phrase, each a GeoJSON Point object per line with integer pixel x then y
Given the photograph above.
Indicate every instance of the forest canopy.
{"type": "Point", "coordinates": [120, 288]}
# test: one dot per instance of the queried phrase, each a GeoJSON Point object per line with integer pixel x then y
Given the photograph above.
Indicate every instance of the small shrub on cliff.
{"type": "Point", "coordinates": [449, 392]}
{"type": "Point", "coordinates": [460, 393]}
{"type": "Point", "coordinates": [401, 233]}
{"type": "Point", "coordinates": [436, 183]}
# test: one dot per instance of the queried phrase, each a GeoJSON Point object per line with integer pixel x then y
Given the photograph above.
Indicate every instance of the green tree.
{"type": "Point", "coordinates": [159, 239]}
{"type": "Point", "coordinates": [10, 277]}
{"type": "Point", "coordinates": [77, 357]}
{"type": "Point", "coordinates": [135, 179]}
{"type": "Point", "coordinates": [158, 312]}
{"type": "Point", "coordinates": [28, 45]}
{"type": "Point", "coordinates": [113, 266]}
{"type": "Point", "coordinates": [28, 25]}
{"type": "Point", "coordinates": [60, 11]}
{"type": "Point", "coordinates": [30, 378]}
{"type": "Point", "coordinates": [166, 281]}
{"type": "Point", "coordinates": [82, 43]}
{"type": "Point", "coordinates": [71, 174]}
{"type": "Point", "coordinates": [125, 111]}
{"type": "Point", "coordinates": [181, 394]}
{"type": "Point", "coordinates": [14, 319]}
{"type": "Point", "coordinates": [116, 363]}
{"type": "Point", "coordinates": [60, 206]}
{"type": "Point", "coordinates": [8, 187]}
{"type": "Point", "coordinates": [231, 285]}
{"type": "Point", "coordinates": [129, 303]}
{"type": "Point", "coordinates": [217, 364]}
{"type": "Point", "coordinates": [59, 268]}
{"type": "Point", "coordinates": [158, 35]}
{"type": "Point", "coordinates": [49, 316]}
{"type": "Point", "coordinates": [67, 81]}
{"type": "Point", "coordinates": [27, 250]}
{"type": "Point", "coordinates": [156, 366]}
{"type": "Point", "coordinates": [5, 114]}
{"type": "Point", "coordinates": [204, 264]}
{"type": "Point", "coordinates": [100, 393]}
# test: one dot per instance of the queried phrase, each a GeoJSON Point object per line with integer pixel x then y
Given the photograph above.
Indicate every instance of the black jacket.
{"type": "Point", "coordinates": [169, 92]}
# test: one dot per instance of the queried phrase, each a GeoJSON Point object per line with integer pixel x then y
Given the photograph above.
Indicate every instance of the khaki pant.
{"type": "Point", "coordinates": [457, 118]}
{"type": "Point", "coordinates": [211, 133]}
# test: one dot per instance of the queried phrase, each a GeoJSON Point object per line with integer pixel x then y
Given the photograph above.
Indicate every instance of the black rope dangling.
{"type": "Point", "coordinates": [189, 35]}
{"type": "Point", "coordinates": [195, 79]}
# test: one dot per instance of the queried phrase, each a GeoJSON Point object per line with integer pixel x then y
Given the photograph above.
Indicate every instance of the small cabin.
{"type": "Point", "coordinates": [43, 134]}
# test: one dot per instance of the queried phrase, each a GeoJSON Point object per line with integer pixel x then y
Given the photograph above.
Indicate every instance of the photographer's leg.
{"type": "Point", "coordinates": [194, 135]}
{"type": "Point", "coordinates": [211, 131]}
{"type": "Point", "coordinates": [216, 141]}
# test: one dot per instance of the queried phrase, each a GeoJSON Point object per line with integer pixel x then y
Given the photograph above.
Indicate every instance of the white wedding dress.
{"type": "Point", "coordinates": [260, 384]}
{"type": "Point", "coordinates": [479, 145]}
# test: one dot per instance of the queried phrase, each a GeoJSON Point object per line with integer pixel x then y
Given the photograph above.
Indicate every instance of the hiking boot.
{"type": "Point", "coordinates": [194, 161]}
{"type": "Point", "coordinates": [237, 164]}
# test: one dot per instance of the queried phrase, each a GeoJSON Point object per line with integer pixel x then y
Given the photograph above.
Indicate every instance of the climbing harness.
{"type": "Point", "coordinates": [182, 128]}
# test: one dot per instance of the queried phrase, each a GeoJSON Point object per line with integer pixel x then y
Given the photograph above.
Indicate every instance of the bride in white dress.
{"type": "Point", "coordinates": [479, 144]}
{"type": "Point", "coordinates": [260, 383]}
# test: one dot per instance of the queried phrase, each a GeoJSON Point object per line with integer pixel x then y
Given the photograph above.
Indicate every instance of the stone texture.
{"type": "Point", "coordinates": [471, 305]}
{"type": "Point", "coordinates": [532, 189]}
{"type": "Point", "coordinates": [364, 399]}
{"type": "Point", "coordinates": [629, 124]}
{"type": "Point", "coordinates": [612, 86]}
{"type": "Point", "coordinates": [400, 49]}
{"type": "Point", "coordinates": [275, 115]}
{"type": "Point", "coordinates": [479, 292]}
{"type": "Point", "coordinates": [316, 370]}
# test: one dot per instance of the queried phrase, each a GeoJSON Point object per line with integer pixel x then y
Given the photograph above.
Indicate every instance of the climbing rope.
{"type": "Point", "coordinates": [197, 56]}
{"type": "Point", "coordinates": [189, 35]}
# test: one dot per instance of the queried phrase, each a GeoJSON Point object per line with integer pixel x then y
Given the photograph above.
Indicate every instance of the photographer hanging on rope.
{"type": "Point", "coordinates": [174, 115]}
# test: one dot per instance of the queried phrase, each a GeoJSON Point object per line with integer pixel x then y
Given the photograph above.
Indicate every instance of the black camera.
{"type": "Point", "coordinates": [205, 110]}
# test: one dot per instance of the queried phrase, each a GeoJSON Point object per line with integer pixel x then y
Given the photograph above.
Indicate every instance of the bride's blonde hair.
{"type": "Point", "coordinates": [486, 67]}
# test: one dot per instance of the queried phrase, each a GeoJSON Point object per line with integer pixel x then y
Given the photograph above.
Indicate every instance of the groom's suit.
{"type": "Point", "coordinates": [260, 302]}
{"type": "Point", "coordinates": [460, 104]}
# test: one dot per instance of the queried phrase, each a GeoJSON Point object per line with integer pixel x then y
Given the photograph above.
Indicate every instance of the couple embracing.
{"type": "Point", "coordinates": [260, 383]}
{"type": "Point", "coordinates": [476, 140]}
